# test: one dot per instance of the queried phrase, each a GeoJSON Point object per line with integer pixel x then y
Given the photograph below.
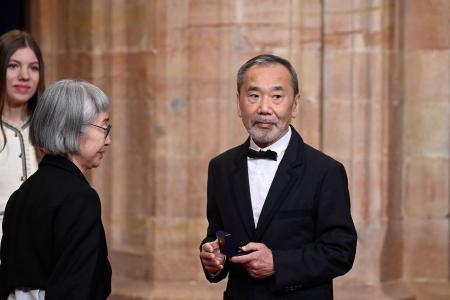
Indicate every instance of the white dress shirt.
{"type": "Point", "coordinates": [262, 171]}
{"type": "Point", "coordinates": [27, 295]}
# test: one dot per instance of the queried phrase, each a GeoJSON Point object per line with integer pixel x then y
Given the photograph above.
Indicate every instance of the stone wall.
{"type": "Point", "coordinates": [375, 84]}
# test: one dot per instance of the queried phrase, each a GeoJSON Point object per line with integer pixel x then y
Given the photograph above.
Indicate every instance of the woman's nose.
{"type": "Point", "coordinates": [108, 140]}
{"type": "Point", "coordinates": [24, 73]}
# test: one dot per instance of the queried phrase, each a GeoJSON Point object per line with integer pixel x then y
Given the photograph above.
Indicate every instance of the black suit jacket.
{"type": "Point", "coordinates": [53, 237]}
{"type": "Point", "coordinates": [305, 221]}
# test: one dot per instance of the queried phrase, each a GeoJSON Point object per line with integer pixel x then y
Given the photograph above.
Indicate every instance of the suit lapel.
{"type": "Point", "coordinates": [241, 190]}
{"type": "Point", "coordinates": [289, 171]}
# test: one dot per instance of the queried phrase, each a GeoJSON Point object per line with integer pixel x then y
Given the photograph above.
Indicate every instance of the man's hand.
{"type": "Point", "coordinates": [259, 263]}
{"type": "Point", "coordinates": [212, 259]}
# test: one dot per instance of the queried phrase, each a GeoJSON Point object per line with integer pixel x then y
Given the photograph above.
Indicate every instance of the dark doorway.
{"type": "Point", "coordinates": [12, 15]}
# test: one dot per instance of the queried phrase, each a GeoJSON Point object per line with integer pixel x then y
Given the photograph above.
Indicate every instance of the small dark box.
{"type": "Point", "coordinates": [227, 245]}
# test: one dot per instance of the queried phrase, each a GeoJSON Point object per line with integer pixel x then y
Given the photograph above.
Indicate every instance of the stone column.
{"type": "Point", "coordinates": [358, 60]}
{"type": "Point", "coordinates": [426, 144]}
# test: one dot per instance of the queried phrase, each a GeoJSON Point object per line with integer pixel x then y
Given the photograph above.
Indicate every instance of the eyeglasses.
{"type": "Point", "coordinates": [106, 129]}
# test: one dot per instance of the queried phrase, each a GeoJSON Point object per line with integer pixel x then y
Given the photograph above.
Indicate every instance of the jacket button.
{"type": "Point", "coordinates": [22, 178]}
{"type": "Point", "coordinates": [20, 155]}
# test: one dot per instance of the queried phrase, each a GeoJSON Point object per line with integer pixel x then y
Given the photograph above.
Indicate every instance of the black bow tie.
{"type": "Point", "coordinates": [269, 154]}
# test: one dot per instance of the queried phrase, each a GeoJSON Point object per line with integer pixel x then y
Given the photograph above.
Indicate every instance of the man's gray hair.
{"type": "Point", "coordinates": [60, 116]}
{"type": "Point", "coordinates": [266, 60]}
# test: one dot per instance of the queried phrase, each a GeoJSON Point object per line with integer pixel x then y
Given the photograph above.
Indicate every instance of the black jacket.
{"type": "Point", "coordinates": [305, 221]}
{"type": "Point", "coordinates": [53, 236]}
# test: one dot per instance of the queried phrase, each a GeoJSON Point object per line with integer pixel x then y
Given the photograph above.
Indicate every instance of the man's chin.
{"type": "Point", "coordinates": [263, 139]}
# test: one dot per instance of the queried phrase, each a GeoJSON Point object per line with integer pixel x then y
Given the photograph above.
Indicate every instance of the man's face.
{"type": "Point", "coordinates": [266, 103]}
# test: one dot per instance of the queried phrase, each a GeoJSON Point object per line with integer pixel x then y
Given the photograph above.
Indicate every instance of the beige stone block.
{"type": "Point", "coordinates": [230, 137]}
{"type": "Point", "coordinates": [100, 11]}
{"type": "Point", "coordinates": [307, 64]}
{"type": "Point", "coordinates": [74, 65]}
{"type": "Point", "coordinates": [368, 76]}
{"type": "Point", "coordinates": [176, 14]}
{"type": "Point", "coordinates": [172, 185]}
{"type": "Point", "coordinates": [131, 74]}
{"type": "Point", "coordinates": [337, 76]}
{"type": "Point", "coordinates": [309, 13]}
{"type": "Point", "coordinates": [396, 289]}
{"type": "Point", "coordinates": [366, 189]}
{"type": "Point", "coordinates": [436, 290]}
{"type": "Point", "coordinates": [256, 12]}
{"type": "Point", "coordinates": [205, 51]}
{"type": "Point", "coordinates": [307, 122]}
{"type": "Point", "coordinates": [196, 233]}
{"type": "Point", "coordinates": [427, 76]}
{"type": "Point", "coordinates": [171, 238]}
{"type": "Point", "coordinates": [379, 253]}
{"type": "Point", "coordinates": [263, 38]}
{"type": "Point", "coordinates": [130, 266]}
{"type": "Point", "coordinates": [304, 38]}
{"type": "Point", "coordinates": [306, 25]}
{"type": "Point", "coordinates": [338, 25]}
{"type": "Point", "coordinates": [357, 24]}
{"type": "Point", "coordinates": [367, 127]}
{"type": "Point", "coordinates": [203, 109]}
{"type": "Point", "coordinates": [426, 188]}
{"type": "Point", "coordinates": [426, 24]}
{"type": "Point", "coordinates": [175, 35]}
{"type": "Point", "coordinates": [124, 19]}
{"type": "Point", "coordinates": [79, 20]}
{"type": "Point", "coordinates": [368, 15]}
{"type": "Point", "coordinates": [426, 255]}
{"type": "Point", "coordinates": [197, 189]}
{"type": "Point", "coordinates": [206, 13]}
{"type": "Point", "coordinates": [426, 129]}
{"type": "Point", "coordinates": [338, 7]}
{"type": "Point", "coordinates": [337, 132]}
{"type": "Point", "coordinates": [129, 230]}
{"type": "Point", "coordinates": [166, 290]}
{"type": "Point", "coordinates": [393, 181]}
{"type": "Point", "coordinates": [197, 209]}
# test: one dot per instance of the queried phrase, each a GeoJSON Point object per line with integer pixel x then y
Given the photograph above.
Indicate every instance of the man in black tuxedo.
{"type": "Point", "coordinates": [284, 202]}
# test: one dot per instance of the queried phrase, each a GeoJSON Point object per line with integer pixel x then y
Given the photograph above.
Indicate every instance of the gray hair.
{"type": "Point", "coordinates": [266, 60]}
{"type": "Point", "coordinates": [60, 116]}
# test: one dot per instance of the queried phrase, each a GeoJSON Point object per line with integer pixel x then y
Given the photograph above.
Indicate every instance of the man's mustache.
{"type": "Point", "coordinates": [267, 120]}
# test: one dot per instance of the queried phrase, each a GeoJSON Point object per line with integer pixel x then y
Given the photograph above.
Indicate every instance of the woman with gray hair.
{"type": "Point", "coordinates": [53, 243]}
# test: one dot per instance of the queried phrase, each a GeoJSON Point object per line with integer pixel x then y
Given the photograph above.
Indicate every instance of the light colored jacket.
{"type": "Point", "coordinates": [18, 161]}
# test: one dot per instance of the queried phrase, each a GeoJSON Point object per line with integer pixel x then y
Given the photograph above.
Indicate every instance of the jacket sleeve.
{"type": "Point", "coordinates": [332, 252]}
{"type": "Point", "coordinates": [79, 248]}
{"type": "Point", "coordinates": [214, 223]}
{"type": "Point", "coordinates": [4, 288]}
{"type": "Point", "coordinates": [3, 283]}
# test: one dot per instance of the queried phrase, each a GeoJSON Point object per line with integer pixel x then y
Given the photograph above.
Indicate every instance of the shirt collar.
{"type": "Point", "coordinates": [279, 146]}
{"type": "Point", "coordinates": [24, 125]}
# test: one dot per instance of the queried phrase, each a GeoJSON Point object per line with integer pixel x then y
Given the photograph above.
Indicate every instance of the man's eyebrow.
{"type": "Point", "coordinates": [252, 88]}
{"type": "Point", "coordinates": [277, 88]}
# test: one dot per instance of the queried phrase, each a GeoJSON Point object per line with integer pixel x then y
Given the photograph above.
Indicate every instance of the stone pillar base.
{"type": "Point", "coordinates": [393, 290]}
{"type": "Point", "coordinates": [202, 290]}
{"type": "Point", "coordinates": [185, 290]}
